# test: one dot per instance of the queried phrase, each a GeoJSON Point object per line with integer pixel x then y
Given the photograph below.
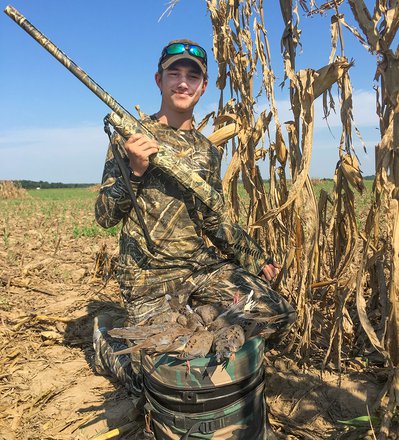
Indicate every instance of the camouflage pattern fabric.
{"type": "Point", "coordinates": [205, 373]}
{"type": "Point", "coordinates": [243, 419]}
{"type": "Point", "coordinates": [170, 161]}
{"type": "Point", "coordinates": [228, 398]}
{"type": "Point", "coordinates": [244, 415]}
{"type": "Point", "coordinates": [216, 285]}
{"type": "Point", "coordinates": [176, 221]}
{"type": "Point", "coordinates": [184, 266]}
{"type": "Point", "coordinates": [126, 368]}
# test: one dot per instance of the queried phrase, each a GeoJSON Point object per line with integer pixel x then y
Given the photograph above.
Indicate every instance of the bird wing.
{"type": "Point", "coordinates": [158, 342]}
{"type": "Point", "coordinates": [138, 332]}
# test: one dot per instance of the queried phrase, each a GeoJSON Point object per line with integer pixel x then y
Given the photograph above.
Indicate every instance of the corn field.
{"type": "Point", "coordinates": [342, 277]}
{"type": "Point", "coordinates": [339, 260]}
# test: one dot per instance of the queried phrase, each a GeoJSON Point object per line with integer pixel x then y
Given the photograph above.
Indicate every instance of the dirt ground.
{"type": "Point", "coordinates": [49, 294]}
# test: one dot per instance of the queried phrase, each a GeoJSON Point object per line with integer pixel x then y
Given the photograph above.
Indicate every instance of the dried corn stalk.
{"type": "Point", "coordinates": [286, 221]}
{"type": "Point", "coordinates": [320, 244]}
{"type": "Point", "coordinates": [380, 263]}
{"type": "Point", "coordinates": [12, 190]}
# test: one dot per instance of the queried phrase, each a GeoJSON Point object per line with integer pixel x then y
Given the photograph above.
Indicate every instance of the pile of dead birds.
{"type": "Point", "coordinates": [210, 328]}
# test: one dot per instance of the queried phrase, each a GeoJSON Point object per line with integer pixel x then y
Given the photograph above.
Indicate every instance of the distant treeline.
{"type": "Point", "coordinates": [31, 184]}
{"type": "Point", "coordinates": [372, 177]}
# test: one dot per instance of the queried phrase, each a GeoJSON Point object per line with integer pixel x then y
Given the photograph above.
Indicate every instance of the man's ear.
{"type": "Point", "coordinates": [204, 85]}
{"type": "Point", "coordinates": [158, 79]}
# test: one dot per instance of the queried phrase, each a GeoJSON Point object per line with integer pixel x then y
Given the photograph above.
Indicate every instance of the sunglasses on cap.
{"type": "Point", "coordinates": [179, 48]}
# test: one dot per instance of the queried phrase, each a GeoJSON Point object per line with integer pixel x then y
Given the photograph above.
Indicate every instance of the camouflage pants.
{"type": "Point", "coordinates": [125, 368]}
{"type": "Point", "coordinates": [217, 285]}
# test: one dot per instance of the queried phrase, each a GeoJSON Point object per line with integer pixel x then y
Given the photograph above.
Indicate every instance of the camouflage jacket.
{"type": "Point", "coordinates": [175, 219]}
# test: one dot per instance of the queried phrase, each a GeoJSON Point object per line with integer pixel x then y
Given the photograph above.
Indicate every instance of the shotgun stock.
{"type": "Point", "coordinates": [125, 123]}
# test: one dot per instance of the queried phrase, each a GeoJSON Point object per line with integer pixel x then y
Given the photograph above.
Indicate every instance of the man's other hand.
{"type": "Point", "coordinates": [270, 271]}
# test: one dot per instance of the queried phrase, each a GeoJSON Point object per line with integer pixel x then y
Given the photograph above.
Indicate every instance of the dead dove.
{"type": "Point", "coordinates": [188, 318]}
{"type": "Point", "coordinates": [198, 345]}
{"type": "Point", "coordinates": [208, 312]}
{"type": "Point", "coordinates": [177, 303]}
{"type": "Point", "coordinates": [186, 315]}
{"type": "Point", "coordinates": [166, 341]}
{"type": "Point", "coordinates": [228, 341]}
{"type": "Point", "coordinates": [166, 317]}
{"type": "Point", "coordinates": [251, 313]}
{"type": "Point", "coordinates": [238, 307]}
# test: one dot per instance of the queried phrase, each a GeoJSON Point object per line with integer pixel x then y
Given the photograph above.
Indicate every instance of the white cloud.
{"type": "Point", "coordinates": [76, 154]}
{"type": "Point", "coordinates": [326, 137]}
{"type": "Point", "coordinates": [70, 155]}
{"type": "Point", "coordinates": [363, 111]}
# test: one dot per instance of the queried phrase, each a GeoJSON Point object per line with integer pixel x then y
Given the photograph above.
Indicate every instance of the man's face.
{"type": "Point", "coordinates": [181, 85]}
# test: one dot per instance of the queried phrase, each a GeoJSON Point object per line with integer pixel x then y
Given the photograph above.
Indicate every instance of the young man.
{"type": "Point", "coordinates": [182, 264]}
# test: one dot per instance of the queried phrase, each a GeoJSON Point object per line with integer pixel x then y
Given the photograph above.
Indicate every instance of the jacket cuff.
{"type": "Point", "coordinates": [254, 265]}
{"type": "Point", "coordinates": [134, 178]}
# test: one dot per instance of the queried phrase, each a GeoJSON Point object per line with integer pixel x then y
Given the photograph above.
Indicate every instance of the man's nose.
{"type": "Point", "coordinates": [183, 81]}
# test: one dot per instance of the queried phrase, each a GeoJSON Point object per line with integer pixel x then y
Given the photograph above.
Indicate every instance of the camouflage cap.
{"type": "Point", "coordinates": [191, 51]}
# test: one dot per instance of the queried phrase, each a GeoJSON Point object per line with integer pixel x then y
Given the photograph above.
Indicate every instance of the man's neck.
{"type": "Point", "coordinates": [181, 121]}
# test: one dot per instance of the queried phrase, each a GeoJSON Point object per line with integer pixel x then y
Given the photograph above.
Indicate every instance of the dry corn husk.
{"type": "Point", "coordinates": [224, 134]}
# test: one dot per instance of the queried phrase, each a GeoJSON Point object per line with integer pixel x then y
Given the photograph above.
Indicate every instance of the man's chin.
{"type": "Point", "coordinates": [184, 103]}
{"type": "Point", "coordinates": [183, 106]}
{"type": "Point", "coordinates": [182, 100]}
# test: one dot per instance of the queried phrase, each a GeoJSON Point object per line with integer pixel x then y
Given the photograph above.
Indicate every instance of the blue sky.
{"type": "Point", "coordinates": [51, 125]}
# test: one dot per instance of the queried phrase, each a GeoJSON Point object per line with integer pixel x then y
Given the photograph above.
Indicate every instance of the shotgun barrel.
{"type": "Point", "coordinates": [124, 122]}
{"type": "Point", "coordinates": [64, 59]}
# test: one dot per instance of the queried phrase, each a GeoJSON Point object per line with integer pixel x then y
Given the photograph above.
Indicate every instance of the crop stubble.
{"type": "Point", "coordinates": [53, 282]}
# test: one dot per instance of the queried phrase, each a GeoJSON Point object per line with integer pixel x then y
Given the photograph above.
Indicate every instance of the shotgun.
{"type": "Point", "coordinates": [126, 124]}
